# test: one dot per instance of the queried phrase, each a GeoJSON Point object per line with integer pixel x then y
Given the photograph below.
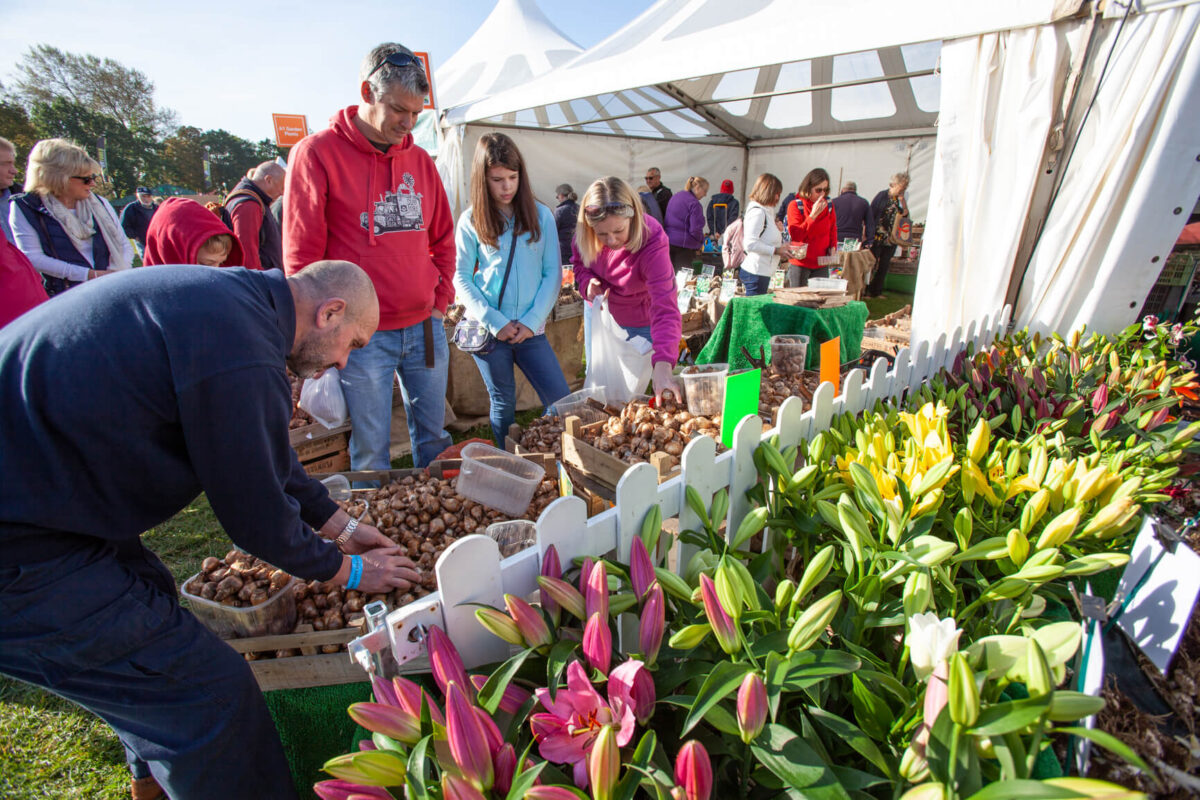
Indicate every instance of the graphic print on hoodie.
{"type": "Point", "coordinates": [178, 230]}
{"type": "Point", "coordinates": [384, 211]}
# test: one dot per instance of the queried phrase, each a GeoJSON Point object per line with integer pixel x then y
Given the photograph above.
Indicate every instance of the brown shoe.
{"type": "Point", "coordinates": [146, 789]}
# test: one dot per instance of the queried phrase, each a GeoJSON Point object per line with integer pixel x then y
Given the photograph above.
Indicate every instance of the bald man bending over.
{"type": "Point", "coordinates": [249, 207]}
{"type": "Point", "coordinates": [124, 402]}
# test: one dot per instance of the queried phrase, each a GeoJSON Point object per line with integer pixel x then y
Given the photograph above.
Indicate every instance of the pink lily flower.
{"type": "Point", "coordinates": [722, 624]}
{"type": "Point", "coordinates": [693, 771]}
{"type": "Point", "coordinates": [652, 623]}
{"type": "Point", "coordinates": [595, 594]}
{"type": "Point", "coordinates": [597, 642]}
{"type": "Point", "coordinates": [468, 739]}
{"type": "Point", "coordinates": [751, 706]}
{"type": "Point", "coordinates": [1150, 325]}
{"type": "Point", "coordinates": [343, 790]}
{"type": "Point", "coordinates": [567, 731]}
{"type": "Point", "coordinates": [641, 568]}
{"type": "Point", "coordinates": [456, 788]}
{"type": "Point", "coordinates": [529, 622]}
{"type": "Point", "coordinates": [445, 662]}
{"type": "Point", "coordinates": [365, 745]}
{"type": "Point", "coordinates": [513, 698]}
{"type": "Point", "coordinates": [391, 721]}
{"type": "Point", "coordinates": [633, 685]}
{"type": "Point", "coordinates": [551, 568]}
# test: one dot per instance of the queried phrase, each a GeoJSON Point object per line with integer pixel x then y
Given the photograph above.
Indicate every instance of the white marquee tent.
{"type": "Point", "coordinates": [1055, 134]}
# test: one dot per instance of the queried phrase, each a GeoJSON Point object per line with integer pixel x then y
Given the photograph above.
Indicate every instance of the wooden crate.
{"type": "Point", "coordinates": [311, 667]}
{"type": "Point", "coordinates": [567, 310]}
{"type": "Point", "coordinates": [602, 469]}
{"type": "Point", "coordinates": [321, 449]}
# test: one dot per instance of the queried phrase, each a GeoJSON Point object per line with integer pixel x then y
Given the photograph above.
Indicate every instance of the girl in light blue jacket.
{"type": "Point", "coordinates": [507, 230]}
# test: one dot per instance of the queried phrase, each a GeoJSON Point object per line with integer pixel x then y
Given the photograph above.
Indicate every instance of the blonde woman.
{"type": "Point", "coordinates": [762, 235]}
{"type": "Point", "coordinates": [70, 234]}
{"type": "Point", "coordinates": [684, 222]}
{"type": "Point", "coordinates": [621, 251]}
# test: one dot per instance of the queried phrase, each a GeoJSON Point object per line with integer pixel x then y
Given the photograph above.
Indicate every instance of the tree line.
{"type": "Point", "coordinates": [88, 100]}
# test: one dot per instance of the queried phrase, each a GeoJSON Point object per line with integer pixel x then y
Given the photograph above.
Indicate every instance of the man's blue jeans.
{"type": "Point", "coordinates": [367, 385]}
{"type": "Point", "coordinates": [536, 359]}
{"type": "Point", "coordinates": [103, 628]}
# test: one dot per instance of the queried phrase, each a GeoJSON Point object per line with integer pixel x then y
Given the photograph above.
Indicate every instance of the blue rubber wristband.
{"type": "Point", "coordinates": [356, 570]}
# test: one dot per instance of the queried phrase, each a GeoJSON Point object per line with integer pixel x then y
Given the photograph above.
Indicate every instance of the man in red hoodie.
{"type": "Point", "coordinates": [363, 191]}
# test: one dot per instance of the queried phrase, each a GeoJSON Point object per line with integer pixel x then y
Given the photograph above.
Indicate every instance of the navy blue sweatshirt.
{"type": "Point", "coordinates": [126, 397]}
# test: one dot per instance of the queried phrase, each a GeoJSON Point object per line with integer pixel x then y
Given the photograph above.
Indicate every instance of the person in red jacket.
{"type": "Point", "coordinates": [20, 284]}
{"type": "Point", "coordinates": [363, 191]}
{"type": "Point", "coordinates": [185, 232]}
{"type": "Point", "coordinates": [811, 220]}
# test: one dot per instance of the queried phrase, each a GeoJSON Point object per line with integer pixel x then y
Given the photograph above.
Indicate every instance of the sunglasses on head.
{"type": "Point", "coordinates": [598, 212]}
{"type": "Point", "coordinates": [86, 180]}
{"type": "Point", "coordinates": [396, 60]}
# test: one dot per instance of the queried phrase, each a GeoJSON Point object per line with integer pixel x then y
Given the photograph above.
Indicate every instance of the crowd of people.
{"type": "Point", "coordinates": [130, 391]}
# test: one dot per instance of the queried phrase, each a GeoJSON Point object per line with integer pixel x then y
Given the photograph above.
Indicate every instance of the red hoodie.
{"type": "Point", "coordinates": [388, 213]}
{"type": "Point", "coordinates": [179, 228]}
{"type": "Point", "coordinates": [820, 233]}
{"type": "Point", "coordinates": [20, 284]}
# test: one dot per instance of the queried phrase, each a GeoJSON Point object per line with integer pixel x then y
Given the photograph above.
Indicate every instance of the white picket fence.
{"type": "Point", "coordinates": [471, 571]}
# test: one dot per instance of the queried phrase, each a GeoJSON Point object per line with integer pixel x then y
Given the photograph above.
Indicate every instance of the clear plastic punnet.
{"type": "Point", "coordinates": [497, 479]}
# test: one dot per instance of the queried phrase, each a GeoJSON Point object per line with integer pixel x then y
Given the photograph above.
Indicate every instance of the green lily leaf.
{"type": "Point", "coordinates": [723, 680]}
{"type": "Point", "coordinates": [796, 764]}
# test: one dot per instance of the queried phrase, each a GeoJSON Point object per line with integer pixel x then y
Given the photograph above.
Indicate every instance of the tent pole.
{"type": "Point", "coordinates": [745, 175]}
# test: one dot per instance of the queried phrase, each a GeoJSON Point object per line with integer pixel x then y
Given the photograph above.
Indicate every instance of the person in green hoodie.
{"type": "Point", "coordinates": [362, 191]}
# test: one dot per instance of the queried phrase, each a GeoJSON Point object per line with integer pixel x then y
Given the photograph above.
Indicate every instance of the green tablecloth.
{"type": "Point", "coordinates": [752, 321]}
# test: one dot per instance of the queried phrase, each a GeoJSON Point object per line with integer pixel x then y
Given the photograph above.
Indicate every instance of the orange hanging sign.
{"type": "Point", "coordinates": [430, 101]}
{"type": "Point", "coordinates": [831, 363]}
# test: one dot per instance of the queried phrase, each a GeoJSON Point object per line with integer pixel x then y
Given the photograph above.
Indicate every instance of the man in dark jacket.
{"type": "Point", "coordinates": [854, 217]}
{"type": "Point", "coordinates": [566, 216]}
{"type": "Point", "coordinates": [661, 193]}
{"type": "Point", "coordinates": [722, 209]}
{"type": "Point", "coordinates": [249, 207]}
{"type": "Point", "coordinates": [191, 396]}
{"type": "Point", "coordinates": [135, 218]}
{"type": "Point", "coordinates": [781, 214]}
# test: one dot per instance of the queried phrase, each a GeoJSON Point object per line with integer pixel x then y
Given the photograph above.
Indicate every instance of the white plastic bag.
{"type": "Point", "coordinates": [322, 398]}
{"type": "Point", "coordinates": [621, 365]}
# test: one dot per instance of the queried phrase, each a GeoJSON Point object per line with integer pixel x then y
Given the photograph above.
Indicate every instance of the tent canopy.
{"type": "Point", "coordinates": [744, 73]}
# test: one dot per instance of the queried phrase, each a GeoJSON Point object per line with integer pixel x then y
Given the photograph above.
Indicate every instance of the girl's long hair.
{"type": "Point", "coordinates": [497, 150]}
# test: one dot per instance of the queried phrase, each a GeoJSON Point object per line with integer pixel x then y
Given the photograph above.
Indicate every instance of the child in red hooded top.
{"type": "Point", "coordinates": [185, 232]}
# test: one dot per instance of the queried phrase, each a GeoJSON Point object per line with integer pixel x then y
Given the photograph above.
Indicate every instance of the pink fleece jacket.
{"type": "Point", "coordinates": [385, 212]}
{"type": "Point", "coordinates": [641, 288]}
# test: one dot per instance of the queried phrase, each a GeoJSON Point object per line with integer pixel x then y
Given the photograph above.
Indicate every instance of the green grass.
{"type": "Point", "coordinates": [882, 306]}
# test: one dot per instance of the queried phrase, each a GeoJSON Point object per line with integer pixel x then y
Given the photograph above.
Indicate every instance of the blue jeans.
{"type": "Point", "coordinates": [103, 628]}
{"type": "Point", "coordinates": [537, 361]}
{"type": "Point", "coordinates": [755, 284]}
{"type": "Point", "coordinates": [367, 385]}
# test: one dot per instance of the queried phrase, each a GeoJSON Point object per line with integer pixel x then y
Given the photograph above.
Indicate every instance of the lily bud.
{"type": "Point", "coordinates": [444, 661]}
{"type": "Point", "coordinates": [595, 593]}
{"type": "Point", "coordinates": [964, 694]}
{"type": "Point", "coordinates": [597, 642]}
{"type": "Point", "coordinates": [652, 623]}
{"type": "Point", "coordinates": [814, 573]}
{"type": "Point", "coordinates": [1038, 680]}
{"type": "Point", "coordinates": [391, 721]}
{"type": "Point", "coordinates": [467, 739]}
{"type": "Point", "coordinates": [689, 636]}
{"type": "Point", "coordinates": [1018, 547]}
{"type": "Point", "coordinates": [783, 595]}
{"type": "Point", "coordinates": [979, 440]}
{"type": "Point", "coordinates": [551, 568]}
{"type": "Point", "coordinates": [729, 592]}
{"type": "Point", "coordinates": [913, 766]}
{"type": "Point", "coordinates": [1060, 529]}
{"type": "Point", "coordinates": [1100, 399]}
{"type": "Point", "coordinates": [344, 790]}
{"type": "Point", "coordinates": [812, 622]}
{"type": "Point", "coordinates": [563, 594]}
{"type": "Point", "coordinates": [1034, 510]}
{"type": "Point", "coordinates": [506, 768]}
{"type": "Point", "coordinates": [456, 788]}
{"type": "Point", "coordinates": [604, 764]}
{"type": "Point", "coordinates": [529, 622]}
{"type": "Point", "coordinates": [550, 793]}
{"type": "Point", "coordinates": [513, 698]}
{"type": "Point", "coordinates": [723, 626]}
{"type": "Point", "coordinates": [693, 771]}
{"type": "Point", "coordinates": [370, 767]}
{"type": "Point", "coordinates": [1108, 517]}
{"type": "Point", "coordinates": [751, 706]}
{"type": "Point", "coordinates": [918, 591]}
{"type": "Point", "coordinates": [500, 624]}
{"type": "Point", "coordinates": [641, 568]}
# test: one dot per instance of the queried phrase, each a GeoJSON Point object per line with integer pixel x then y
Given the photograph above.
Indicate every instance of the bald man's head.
{"type": "Point", "coordinates": [269, 177]}
{"type": "Point", "coordinates": [337, 312]}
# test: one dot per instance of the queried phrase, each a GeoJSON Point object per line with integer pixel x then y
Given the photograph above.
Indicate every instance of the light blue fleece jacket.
{"type": "Point", "coordinates": [533, 285]}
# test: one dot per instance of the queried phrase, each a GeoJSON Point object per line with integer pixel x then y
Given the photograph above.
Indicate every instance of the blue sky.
{"type": "Point", "coordinates": [229, 65]}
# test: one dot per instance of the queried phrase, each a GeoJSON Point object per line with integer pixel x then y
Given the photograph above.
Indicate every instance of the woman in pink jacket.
{"type": "Point", "coordinates": [621, 250]}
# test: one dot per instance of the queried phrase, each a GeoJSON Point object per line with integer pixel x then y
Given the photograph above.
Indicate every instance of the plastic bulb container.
{"type": "Point", "coordinates": [497, 479]}
{"type": "Point", "coordinates": [274, 617]}
{"type": "Point", "coordinates": [798, 250]}
{"type": "Point", "coordinates": [576, 405]}
{"type": "Point", "coordinates": [513, 536]}
{"type": "Point", "coordinates": [789, 353]}
{"type": "Point", "coordinates": [338, 487]}
{"type": "Point", "coordinates": [704, 388]}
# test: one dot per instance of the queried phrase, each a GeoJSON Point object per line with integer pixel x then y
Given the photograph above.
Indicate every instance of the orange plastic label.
{"type": "Point", "coordinates": [831, 363]}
